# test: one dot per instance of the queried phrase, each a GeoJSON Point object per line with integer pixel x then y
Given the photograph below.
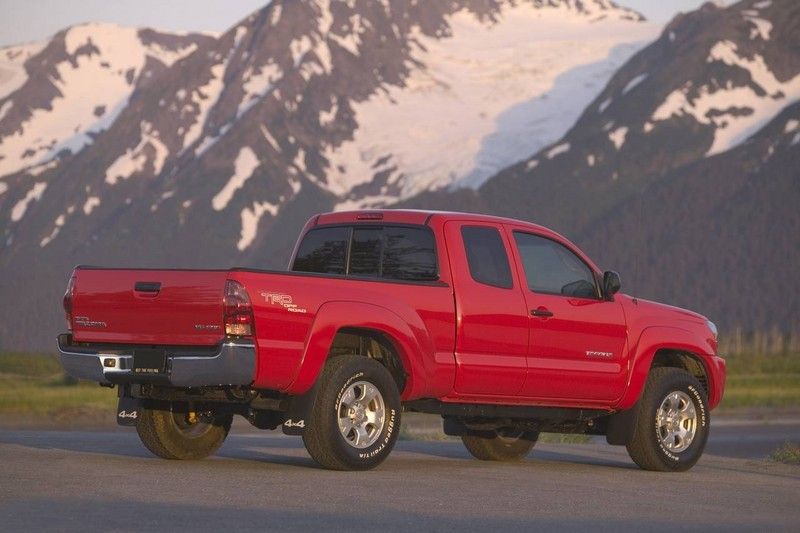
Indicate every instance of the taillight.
{"type": "Point", "coordinates": [238, 310]}
{"type": "Point", "coordinates": [68, 296]}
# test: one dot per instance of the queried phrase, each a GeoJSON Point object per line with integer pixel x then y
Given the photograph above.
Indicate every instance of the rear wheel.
{"type": "Point", "coordinates": [171, 432]}
{"type": "Point", "coordinates": [672, 422]}
{"type": "Point", "coordinates": [356, 415]}
{"type": "Point", "coordinates": [501, 444]}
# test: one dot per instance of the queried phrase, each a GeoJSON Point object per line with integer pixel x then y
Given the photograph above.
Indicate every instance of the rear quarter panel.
{"type": "Point", "coordinates": [298, 315]}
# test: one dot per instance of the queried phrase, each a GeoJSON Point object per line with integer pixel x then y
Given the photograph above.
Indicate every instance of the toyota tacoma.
{"type": "Point", "coordinates": [504, 328]}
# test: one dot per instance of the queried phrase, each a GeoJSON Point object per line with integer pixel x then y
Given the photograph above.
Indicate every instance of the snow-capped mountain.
{"type": "Point", "coordinates": [57, 96]}
{"type": "Point", "coordinates": [699, 126]}
{"type": "Point", "coordinates": [364, 102]}
{"type": "Point", "coordinates": [223, 147]}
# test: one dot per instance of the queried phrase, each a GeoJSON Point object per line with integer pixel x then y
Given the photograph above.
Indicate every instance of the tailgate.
{"type": "Point", "coordinates": [164, 307]}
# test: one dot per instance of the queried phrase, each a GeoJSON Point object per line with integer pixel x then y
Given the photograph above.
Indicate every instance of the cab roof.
{"type": "Point", "coordinates": [413, 216]}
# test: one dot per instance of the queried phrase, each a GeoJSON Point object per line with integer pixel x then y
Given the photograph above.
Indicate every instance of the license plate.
{"type": "Point", "coordinates": [149, 361]}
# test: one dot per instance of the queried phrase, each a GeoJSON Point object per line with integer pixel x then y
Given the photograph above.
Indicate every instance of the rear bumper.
{"type": "Point", "coordinates": [233, 363]}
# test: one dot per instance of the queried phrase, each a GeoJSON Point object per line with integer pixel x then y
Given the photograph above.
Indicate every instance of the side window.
{"type": "Point", "coordinates": [552, 268]}
{"type": "Point", "coordinates": [324, 251]}
{"type": "Point", "coordinates": [486, 256]}
{"type": "Point", "coordinates": [409, 254]}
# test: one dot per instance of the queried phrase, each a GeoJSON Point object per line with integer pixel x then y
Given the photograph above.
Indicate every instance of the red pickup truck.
{"type": "Point", "coordinates": [504, 328]}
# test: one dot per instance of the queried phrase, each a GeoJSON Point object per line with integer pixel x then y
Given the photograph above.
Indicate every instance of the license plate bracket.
{"type": "Point", "coordinates": [149, 361]}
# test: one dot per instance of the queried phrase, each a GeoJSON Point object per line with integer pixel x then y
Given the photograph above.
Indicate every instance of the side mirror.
{"type": "Point", "coordinates": [611, 284]}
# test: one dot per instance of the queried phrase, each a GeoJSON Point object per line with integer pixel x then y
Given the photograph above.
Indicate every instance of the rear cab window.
{"type": "Point", "coordinates": [403, 253]}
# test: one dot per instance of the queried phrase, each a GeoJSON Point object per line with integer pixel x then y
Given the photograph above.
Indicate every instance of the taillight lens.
{"type": "Point", "coordinates": [238, 310]}
{"type": "Point", "coordinates": [68, 296]}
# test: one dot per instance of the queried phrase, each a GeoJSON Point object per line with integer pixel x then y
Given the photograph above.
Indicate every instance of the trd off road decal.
{"type": "Point", "coordinates": [284, 300]}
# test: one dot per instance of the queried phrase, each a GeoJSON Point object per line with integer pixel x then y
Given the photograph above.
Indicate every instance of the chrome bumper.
{"type": "Point", "coordinates": [233, 364]}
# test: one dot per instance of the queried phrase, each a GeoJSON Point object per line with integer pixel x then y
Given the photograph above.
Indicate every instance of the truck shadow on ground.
{"type": "Point", "coordinates": [277, 451]}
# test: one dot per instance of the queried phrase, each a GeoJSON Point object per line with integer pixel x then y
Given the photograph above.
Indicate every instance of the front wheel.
{"type": "Point", "coordinates": [356, 415]}
{"type": "Point", "coordinates": [501, 444]}
{"type": "Point", "coordinates": [172, 432]}
{"type": "Point", "coordinates": [672, 422]}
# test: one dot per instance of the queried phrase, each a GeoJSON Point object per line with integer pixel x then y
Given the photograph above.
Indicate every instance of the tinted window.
{"type": "Point", "coordinates": [365, 255]}
{"type": "Point", "coordinates": [409, 254]}
{"type": "Point", "coordinates": [323, 250]}
{"type": "Point", "coordinates": [552, 268]}
{"type": "Point", "coordinates": [391, 252]}
{"type": "Point", "coordinates": [486, 256]}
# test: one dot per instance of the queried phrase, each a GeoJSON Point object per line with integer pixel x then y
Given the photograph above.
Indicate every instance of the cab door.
{"type": "Point", "coordinates": [577, 348]}
{"type": "Point", "coordinates": [491, 316]}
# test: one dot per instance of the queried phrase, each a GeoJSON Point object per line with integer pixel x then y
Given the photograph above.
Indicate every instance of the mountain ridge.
{"type": "Point", "coordinates": [218, 159]}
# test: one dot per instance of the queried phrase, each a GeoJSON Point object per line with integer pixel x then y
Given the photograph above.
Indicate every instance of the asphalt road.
{"type": "Point", "coordinates": [83, 480]}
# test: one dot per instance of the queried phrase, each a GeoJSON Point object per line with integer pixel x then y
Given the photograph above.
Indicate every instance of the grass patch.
{"type": "Point", "coordinates": [35, 385]}
{"type": "Point", "coordinates": [564, 438]}
{"type": "Point", "coordinates": [763, 381]}
{"type": "Point", "coordinates": [29, 364]}
{"type": "Point", "coordinates": [789, 454]}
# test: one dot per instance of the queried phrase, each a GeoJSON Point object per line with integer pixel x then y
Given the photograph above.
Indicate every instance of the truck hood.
{"type": "Point", "coordinates": [662, 314]}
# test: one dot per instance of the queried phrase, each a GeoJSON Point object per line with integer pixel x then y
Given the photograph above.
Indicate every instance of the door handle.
{"type": "Point", "coordinates": [150, 288]}
{"type": "Point", "coordinates": [542, 312]}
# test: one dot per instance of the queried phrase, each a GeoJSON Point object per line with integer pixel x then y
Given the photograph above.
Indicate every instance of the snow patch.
{"type": "Point", "coordinates": [250, 219]}
{"type": "Point", "coordinates": [618, 136]}
{"type": "Point", "coordinates": [82, 83]}
{"type": "Point", "coordinates": [12, 66]}
{"type": "Point", "coordinates": [791, 125]}
{"type": "Point", "coordinates": [604, 105]}
{"type": "Point", "coordinates": [44, 167]}
{"type": "Point", "coordinates": [634, 82]}
{"type": "Point", "coordinates": [299, 48]}
{"type": "Point", "coordinates": [257, 85]}
{"type": "Point", "coordinates": [203, 98]}
{"type": "Point", "coordinates": [34, 194]}
{"type": "Point", "coordinates": [244, 166]}
{"type": "Point", "coordinates": [57, 225]}
{"type": "Point", "coordinates": [270, 139]}
{"type": "Point", "coordinates": [133, 161]}
{"type": "Point", "coordinates": [483, 96]}
{"type": "Point", "coordinates": [90, 204]}
{"type": "Point", "coordinates": [590, 160]}
{"type": "Point", "coordinates": [761, 27]}
{"type": "Point", "coordinates": [275, 15]}
{"type": "Point", "coordinates": [5, 108]}
{"type": "Point", "coordinates": [327, 117]}
{"type": "Point", "coordinates": [533, 163]}
{"type": "Point", "coordinates": [167, 56]}
{"type": "Point", "coordinates": [3, 187]}
{"type": "Point", "coordinates": [718, 107]}
{"type": "Point", "coordinates": [557, 150]}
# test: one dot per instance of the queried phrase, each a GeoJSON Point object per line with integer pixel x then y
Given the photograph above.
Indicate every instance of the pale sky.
{"type": "Point", "coordinates": [33, 20]}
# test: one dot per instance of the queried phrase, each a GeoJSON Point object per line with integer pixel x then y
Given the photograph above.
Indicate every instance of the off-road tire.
{"type": "Point", "coordinates": [323, 438]}
{"type": "Point", "coordinates": [645, 446]}
{"type": "Point", "coordinates": [162, 435]}
{"type": "Point", "coordinates": [496, 446]}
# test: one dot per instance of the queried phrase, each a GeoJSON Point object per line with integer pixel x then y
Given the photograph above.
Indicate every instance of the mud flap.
{"type": "Point", "coordinates": [620, 427]}
{"type": "Point", "coordinates": [128, 410]}
{"type": "Point", "coordinates": [299, 412]}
